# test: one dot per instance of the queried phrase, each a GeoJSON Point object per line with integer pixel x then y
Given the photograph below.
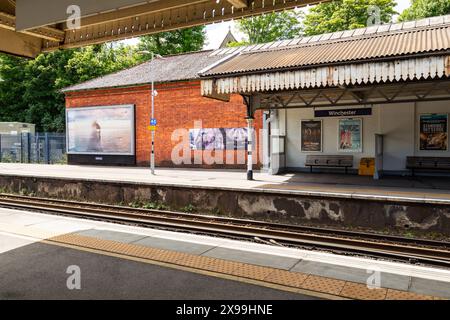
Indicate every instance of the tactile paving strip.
{"type": "Point", "coordinates": [362, 292]}
{"type": "Point", "coordinates": [236, 269]}
{"type": "Point", "coordinates": [322, 284]}
{"type": "Point", "coordinates": [286, 278]}
{"type": "Point", "coordinates": [402, 295]}
{"type": "Point", "coordinates": [252, 272]}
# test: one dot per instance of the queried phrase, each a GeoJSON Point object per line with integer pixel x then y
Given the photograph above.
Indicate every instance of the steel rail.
{"type": "Point", "coordinates": [352, 242]}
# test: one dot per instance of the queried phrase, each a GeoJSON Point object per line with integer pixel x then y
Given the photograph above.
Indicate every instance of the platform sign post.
{"type": "Point", "coordinates": [153, 121]}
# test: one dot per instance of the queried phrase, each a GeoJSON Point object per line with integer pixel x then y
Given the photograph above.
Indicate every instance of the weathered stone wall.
{"type": "Point", "coordinates": [269, 206]}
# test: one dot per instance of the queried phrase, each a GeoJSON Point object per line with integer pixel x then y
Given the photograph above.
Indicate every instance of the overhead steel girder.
{"type": "Point", "coordinates": [8, 21]}
{"type": "Point", "coordinates": [102, 21]}
{"type": "Point", "coordinates": [154, 18]}
{"type": "Point", "coordinates": [19, 44]}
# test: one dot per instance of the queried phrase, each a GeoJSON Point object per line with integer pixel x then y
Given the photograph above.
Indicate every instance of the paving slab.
{"type": "Point", "coordinates": [173, 245]}
{"type": "Point", "coordinates": [62, 226]}
{"type": "Point", "coordinates": [430, 287]}
{"type": "Point", "coordinates": [388, 280]}
{"type": "Point", "coordinates": [258, 259]}
{"type": "Point", "coordinates": [111, 235]}
{"type": "Point", "coordinates": [8, 243]}
{"type": "Point", "coordinates": [6, 212]}
{"type": "Point", "coordinates": [23, 219]}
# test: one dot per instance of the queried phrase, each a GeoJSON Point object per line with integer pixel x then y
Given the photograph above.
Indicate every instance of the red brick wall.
{"type": "Point", "coordinates": [177, 106]}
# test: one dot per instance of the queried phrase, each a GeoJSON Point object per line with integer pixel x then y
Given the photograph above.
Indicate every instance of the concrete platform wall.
{"type": "Point", "coordinates": [273, 206]}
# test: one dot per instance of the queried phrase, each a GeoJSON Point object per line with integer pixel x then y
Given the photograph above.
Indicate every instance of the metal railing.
{"type": "Point", "coordinates": [49, 148]}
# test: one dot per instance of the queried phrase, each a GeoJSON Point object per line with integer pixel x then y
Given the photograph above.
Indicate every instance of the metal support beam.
{"type": "Point", "coordinates": [103, 21]}
{"type": "Point", "coordinates": [163, 16]}
{"type": "Point", "coordinates": [8, 21]}
{"type": "Point", "coordinates": [249, 102]}
{"type": "Point", "coordinates": [432, 90]}
{"type": "Point", "coordinates": [19, 44]}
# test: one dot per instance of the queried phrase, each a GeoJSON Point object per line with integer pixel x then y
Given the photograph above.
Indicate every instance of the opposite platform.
{"type": "Point", "coordinates": [405, 205]}
{"type": "Point", "coordinates": [418, 189]}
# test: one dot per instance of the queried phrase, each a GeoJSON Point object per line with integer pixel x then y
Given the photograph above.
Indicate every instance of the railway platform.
{"type": "Point", "coordinates": [419, 188]}
{"type": "Point", "coordinates": [395, 204]}
{"type": "Point", "coordinates": [113, 257]}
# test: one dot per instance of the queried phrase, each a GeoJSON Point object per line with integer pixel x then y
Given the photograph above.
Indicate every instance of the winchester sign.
{"type": "Point", "coordinates": [343, 113]}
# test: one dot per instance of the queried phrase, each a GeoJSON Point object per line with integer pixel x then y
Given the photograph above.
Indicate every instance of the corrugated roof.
{"type": "Point", "coordinates": [396, 41]}
{"type": "Point", "coordinates": [171, 68]}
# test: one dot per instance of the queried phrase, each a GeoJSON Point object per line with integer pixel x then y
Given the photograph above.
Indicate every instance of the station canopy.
{"type": "Point", "coordinates": [28, 27]}
{"type": "Point", "coordinates": [388, 63]}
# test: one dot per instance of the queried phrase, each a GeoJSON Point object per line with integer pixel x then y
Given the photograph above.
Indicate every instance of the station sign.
{"type": "Point", "coordinates": [343, 113]}
{"type": "Point", "coordinates": [153, 122]}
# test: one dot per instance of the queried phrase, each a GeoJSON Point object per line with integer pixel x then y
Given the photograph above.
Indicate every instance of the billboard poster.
{"type": "Point", "coordinates": [433, 132]}
{"type": "Point", "coordinates": [236, 138]}
{"type": "Point", "coordinates": [311, 136]}
{"type": "Point", "coordinates": [218, 139]}
{"type": "Point", "coordinates": [107, 130]}
{"type": "Point", "coordinates": [350, 135]}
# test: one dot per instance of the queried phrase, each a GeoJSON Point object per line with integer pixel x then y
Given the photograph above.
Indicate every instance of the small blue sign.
{"type": "Point", "coordinates": [153, 122]}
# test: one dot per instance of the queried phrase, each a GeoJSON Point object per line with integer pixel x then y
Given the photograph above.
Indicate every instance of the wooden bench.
{"type": "Point", "coordinates": [427, 163]}
{"type": "Point", "coordinates": [329, 161]}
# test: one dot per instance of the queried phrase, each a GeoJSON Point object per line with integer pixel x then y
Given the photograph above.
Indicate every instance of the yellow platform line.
{"type": "Point", "coordinates": [264, 276]}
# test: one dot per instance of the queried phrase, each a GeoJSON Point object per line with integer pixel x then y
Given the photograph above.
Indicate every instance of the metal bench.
{"type": "Point", "coordinates": [329, 161]}
{"type": "Point", "coordinates": [427, 163]}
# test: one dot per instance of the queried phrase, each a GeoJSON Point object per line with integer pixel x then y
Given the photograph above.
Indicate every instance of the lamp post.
{"type": "Point", "coordinates": [154, 93]}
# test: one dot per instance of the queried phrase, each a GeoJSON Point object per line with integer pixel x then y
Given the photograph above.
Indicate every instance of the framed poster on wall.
{"type": "Point", "coordinates": [105, 130]}
{"type": "Point", "coordinates": [433, 132]}
{"type": "Point", "coordinates": [311, 135]}
{"type": "Point", "coordinates": [350, 135]}
{"type": "Point", "coordinates": [218, 139]}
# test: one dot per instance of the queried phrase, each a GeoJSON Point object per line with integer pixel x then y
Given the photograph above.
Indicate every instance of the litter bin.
{"type": "Point", "coordinates": [367, 167]}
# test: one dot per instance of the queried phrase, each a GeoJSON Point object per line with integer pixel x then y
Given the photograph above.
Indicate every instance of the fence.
{"type": "Point", "coordinates": [47, 148]}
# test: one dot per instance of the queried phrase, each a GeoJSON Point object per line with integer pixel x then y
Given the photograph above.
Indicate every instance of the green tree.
{"type": "Point", "coordinates": [95, 61]}
{"type": "Point", "coordinates": [270, 27]}
{"type": "Point", "coordinates": [425, 8]}
{"type": "Point", "coordinates": [173, 42]}
{"type": "Point", "coordinates": [30, 89]}
{"type": "Point", "coordinates": [347, 14]}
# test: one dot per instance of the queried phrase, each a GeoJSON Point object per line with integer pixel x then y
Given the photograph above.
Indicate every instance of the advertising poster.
{"type": "Point", "coordinates": [236, 138]}
{"type": "Point", "coordinates": [218, 139]}
{"type": "Point", "coordinates": [433, 132]}
{"type": "Point", "coordinates": [350, 135]}
{"type": "Point", "coordinates": [101, 130]}
{"type": "Point", "coordinates": [311, 136]}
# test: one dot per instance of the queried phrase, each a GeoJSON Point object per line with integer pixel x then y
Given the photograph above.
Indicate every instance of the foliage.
{"type": "Point", "coordinates": [425, 8]}
{"type": "Point", "coordinates": [341, 15]}
{"type": "Point", "coordinates": [269, 27]}
{"type": "Point", "coordinates": [173, 42]}
{"type": "Point", "coordinates": [29, 90]}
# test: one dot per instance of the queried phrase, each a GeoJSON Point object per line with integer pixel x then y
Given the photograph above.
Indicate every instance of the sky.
{"type": "Point", "coordinates": [217, 32]}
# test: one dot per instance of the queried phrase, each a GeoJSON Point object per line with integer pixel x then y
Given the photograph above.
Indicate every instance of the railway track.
{"type": "Point", "coordinates": [343, 241]}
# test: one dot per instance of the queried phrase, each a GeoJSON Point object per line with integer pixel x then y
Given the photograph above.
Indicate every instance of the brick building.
{"type": "Point", "coordinates": [181, 111]}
